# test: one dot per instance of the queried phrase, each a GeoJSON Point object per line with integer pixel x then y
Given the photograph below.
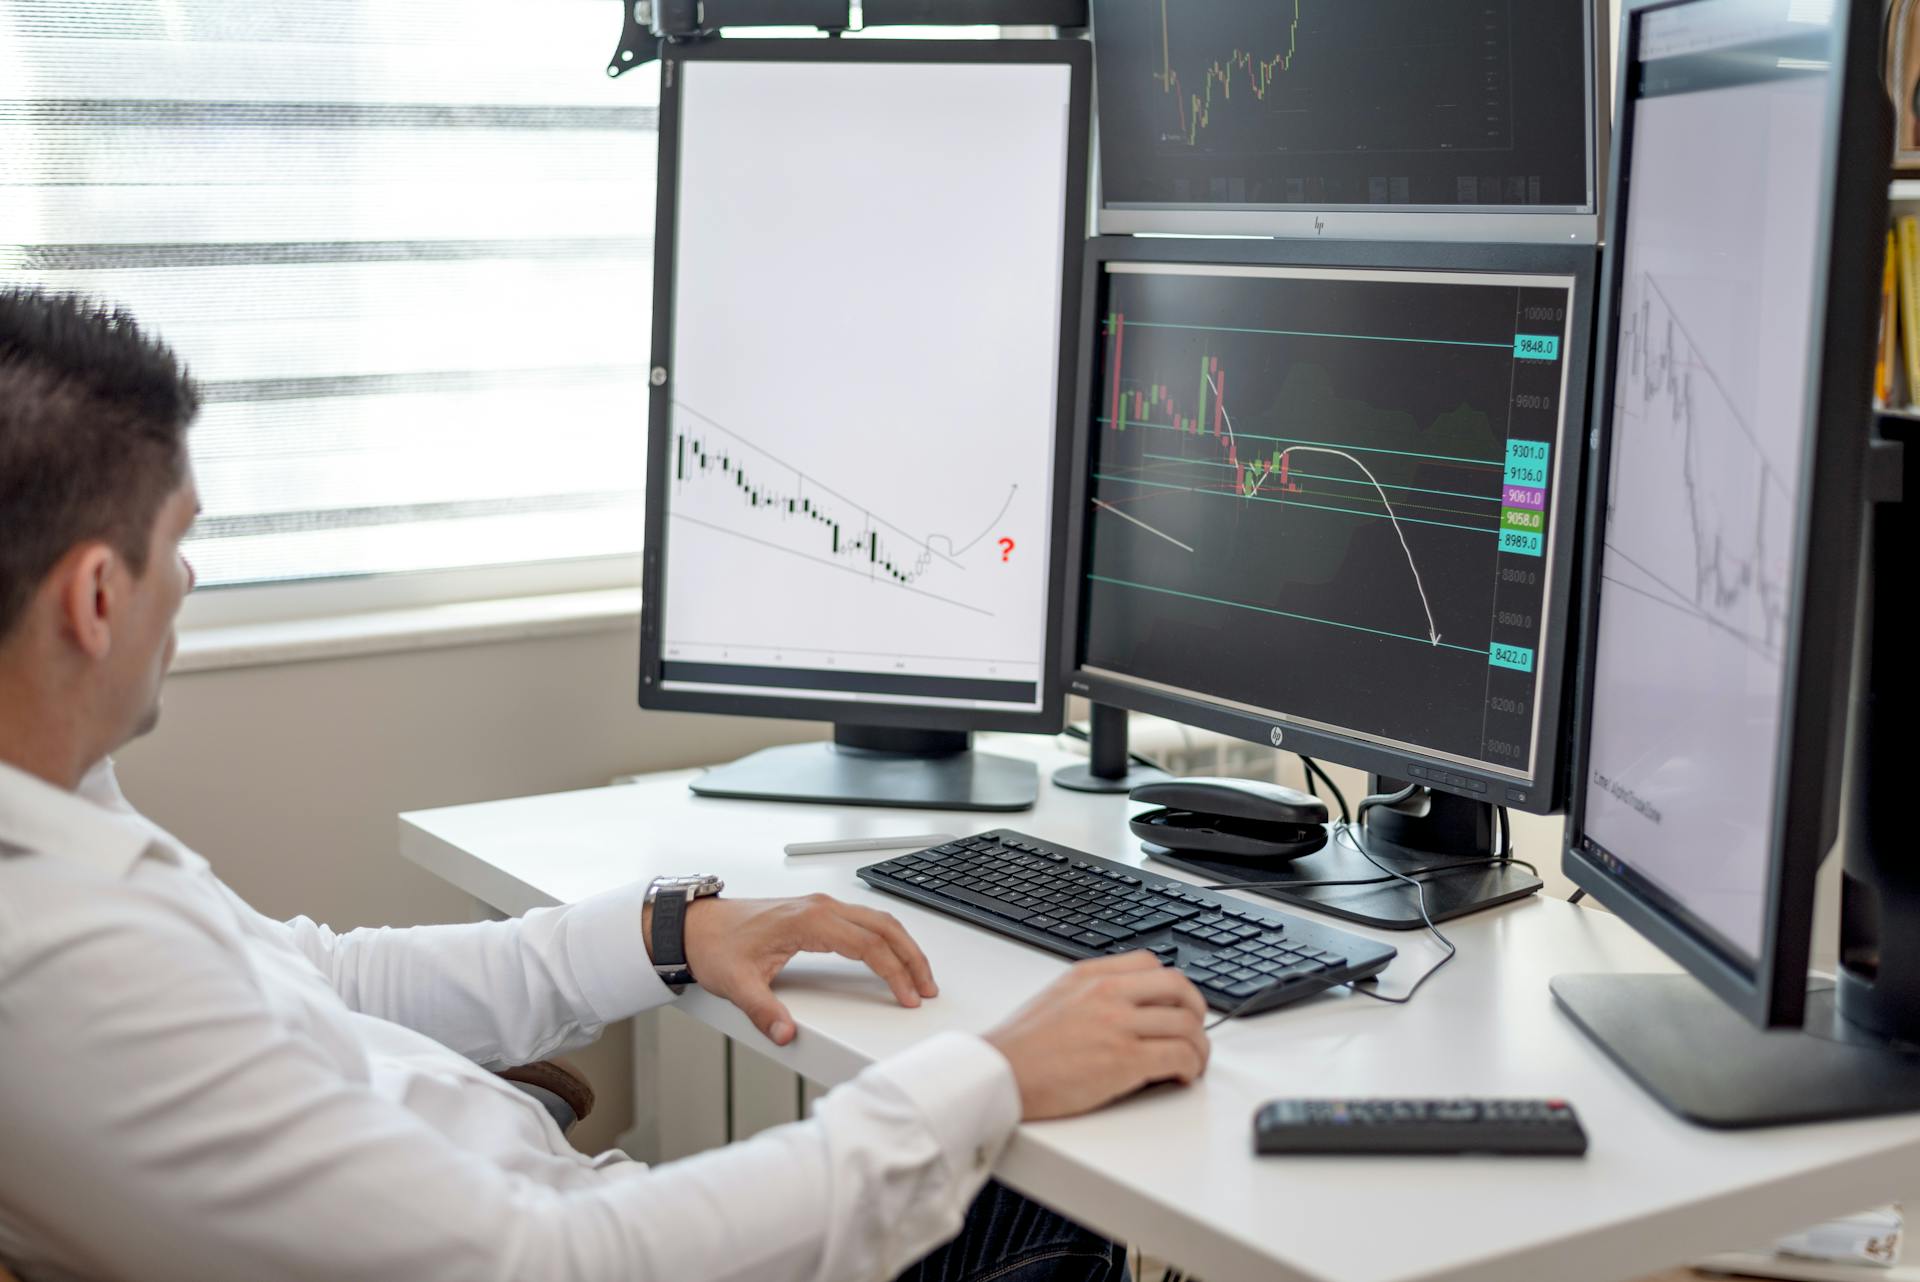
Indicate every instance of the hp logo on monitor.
{"type": "Point", "coordinates": [1275, 736]}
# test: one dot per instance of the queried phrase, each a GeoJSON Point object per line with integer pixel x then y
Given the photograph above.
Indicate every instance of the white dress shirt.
{"type": "Point", "coordinates": [190, 1090]}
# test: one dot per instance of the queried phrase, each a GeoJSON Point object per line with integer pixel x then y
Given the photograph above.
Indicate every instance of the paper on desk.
{"type": "Point", "coordinates": [1871, 1237]}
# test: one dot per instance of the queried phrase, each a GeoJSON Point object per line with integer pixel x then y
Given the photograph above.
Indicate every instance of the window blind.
{"type": "Point", "coordinates": [405, 247]}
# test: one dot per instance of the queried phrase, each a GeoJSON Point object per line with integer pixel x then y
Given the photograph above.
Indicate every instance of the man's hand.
{"type": "Point", "coordinates": [1105, 1029]}
{"type": "Point", "coordinates": [736, 946]}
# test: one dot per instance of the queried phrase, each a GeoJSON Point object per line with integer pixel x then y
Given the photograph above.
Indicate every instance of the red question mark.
{"type": "Point", "coordinates": [1006, 548]}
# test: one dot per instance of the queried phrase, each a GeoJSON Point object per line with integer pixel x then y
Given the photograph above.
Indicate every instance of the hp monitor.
{"type": "Point", "coordinates": [1723, 576]}
{"type": "Point", "coordinates": [868, 256]}
{"type": "Point", "coordinates": [1465, 120]}
{"type": "Point", "coordinates": [1325, 500]}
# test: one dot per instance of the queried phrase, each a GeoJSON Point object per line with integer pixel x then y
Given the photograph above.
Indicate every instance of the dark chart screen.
{"type": "Point", "coordinates": [1325, 103]}
{"type": "Point", "coordinates": [1327, 497]}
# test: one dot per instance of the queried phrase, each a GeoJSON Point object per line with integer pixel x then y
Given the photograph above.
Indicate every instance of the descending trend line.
{"type": "Point", "coordinates": [857, 544]}
{"type": "Point", "coordinates": [1729, 574]}
{"type": "Point", "coordinates": [1106, 506]}
{"type": "Point", "coordinates": [823, 561]}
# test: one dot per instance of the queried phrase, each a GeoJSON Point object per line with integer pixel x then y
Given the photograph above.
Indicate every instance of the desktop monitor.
{"type": "Point", "coordinates": [1398, 119]}
{"type": "Point", "coordinates": [1734, 358]}
{"type": "Point", "coordinates": [1325, 500]}
{"type": "Point", "coordinates": [867, 265]}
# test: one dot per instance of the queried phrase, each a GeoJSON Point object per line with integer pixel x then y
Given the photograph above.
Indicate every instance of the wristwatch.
{"type": "Point", "coordinates": [669, 897]}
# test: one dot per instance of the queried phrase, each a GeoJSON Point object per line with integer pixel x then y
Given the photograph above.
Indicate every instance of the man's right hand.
{"type": "Point", "coordinates": [1105, 1029]}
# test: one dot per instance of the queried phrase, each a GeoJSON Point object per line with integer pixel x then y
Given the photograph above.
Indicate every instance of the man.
{"type": "Point", "coordinates": [191, 1090]}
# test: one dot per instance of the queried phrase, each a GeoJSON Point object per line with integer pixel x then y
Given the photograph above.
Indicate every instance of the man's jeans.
{"type": "Point", "coordinates": [1008, 1239]}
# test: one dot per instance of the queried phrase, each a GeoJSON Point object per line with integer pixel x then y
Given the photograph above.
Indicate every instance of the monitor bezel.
{"type": "Point", "coordinates": [1049, 716]}
{"type": "Point", "coordinates": [1818, 654]}
{"type": "Point", "coordinates": [1485, 224]}
{"type": "Point", "coordinates": [1542, 794]}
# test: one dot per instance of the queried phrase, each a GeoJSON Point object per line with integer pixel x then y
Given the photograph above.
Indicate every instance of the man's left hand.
{"type": "Point", "coordinates": [736, 946]}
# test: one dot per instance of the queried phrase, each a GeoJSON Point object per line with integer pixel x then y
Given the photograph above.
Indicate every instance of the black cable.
{"type": "Point", "coordinates": [1576, 896]}
{"type": "Point", "coordinates": [1315, 769]}
{"type": "Point", "coordinates": [1419, 890]}
{"type": "Point", "coordinates": [1358, 842]}
{"type": "Point", "coordinates": [1429, 869]}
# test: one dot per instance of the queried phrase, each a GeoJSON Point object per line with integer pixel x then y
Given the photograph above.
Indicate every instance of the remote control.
{"type": "Point", "coordinates": [1527, 1127]}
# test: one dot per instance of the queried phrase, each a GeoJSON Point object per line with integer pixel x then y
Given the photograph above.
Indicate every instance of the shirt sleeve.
{"type": "Point", "coordinates": [162, 1121]}
{"type": "Point", "coordinates": [499, 992]}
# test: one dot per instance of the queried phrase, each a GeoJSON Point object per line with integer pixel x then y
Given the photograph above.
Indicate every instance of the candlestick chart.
{"type": "Point", "coordinates": [1712, 512]}
{"type": "Point", "coordinates": [767, 501]}
{"type": "Point", "coordinates": [1342, 101]}
{"type": "Point", "coordinates": [1293, 475]}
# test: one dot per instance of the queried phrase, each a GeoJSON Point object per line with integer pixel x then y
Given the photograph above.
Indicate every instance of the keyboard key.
{"type": "Point", "coordinates": [1066, 929]}
{"type": "Point", "coordinates": [1042, 923]}
{"type": "Point", "coordinates": [1242, 991]}
{"type": "Point", "coordinates": [994, 906]}
{"type": "Point", "coordinates": [1092, 939]}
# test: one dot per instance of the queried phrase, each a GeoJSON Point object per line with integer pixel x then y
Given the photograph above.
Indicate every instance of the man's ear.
{"type": "Point", "coordinates": [87, 587]}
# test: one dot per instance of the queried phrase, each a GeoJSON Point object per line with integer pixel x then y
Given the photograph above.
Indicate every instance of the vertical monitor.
{"type": "Point", "coordinates": [1434, 119]}
{"type": "Point", "coordinates": [863, 294]}
{"type": "Point", "coordinates": [1723, 573]}
{"type": "Point", "coordinates": [1328, 500]}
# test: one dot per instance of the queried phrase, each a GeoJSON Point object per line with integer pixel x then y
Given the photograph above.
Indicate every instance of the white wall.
{"type": "Point", "coordinates": [289, 778]}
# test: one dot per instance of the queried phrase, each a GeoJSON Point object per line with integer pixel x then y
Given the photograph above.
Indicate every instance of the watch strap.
{"type": "Point", "coordinates": [669, 935]}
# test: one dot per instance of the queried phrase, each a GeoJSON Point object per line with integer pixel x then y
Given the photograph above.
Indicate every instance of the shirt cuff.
{"type": "Point", "coordinates": [608, 949]}
{"type": "Point", "coordinates": [965, 1090]}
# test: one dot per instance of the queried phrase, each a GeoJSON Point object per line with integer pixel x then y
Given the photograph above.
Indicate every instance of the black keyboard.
{"type": "Point", "coordinates": [1529, 1127]}
{"type": "Point", "coordinates": [1079, 905]}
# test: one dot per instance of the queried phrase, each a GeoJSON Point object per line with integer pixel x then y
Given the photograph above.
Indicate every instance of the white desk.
{"type": "Point", "coordinates": [1172, 1170]}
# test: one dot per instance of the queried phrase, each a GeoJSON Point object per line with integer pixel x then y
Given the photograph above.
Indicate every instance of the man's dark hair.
{"type": "Point", "coordinates": [93, 421]}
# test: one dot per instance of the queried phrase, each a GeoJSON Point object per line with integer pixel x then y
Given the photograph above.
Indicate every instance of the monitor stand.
{"type": "Point", "coordinates": [1859, 1053]}
{"type": "Point", "coordinates": [1109, 767]}
{"type": "Point", "coordinates": [880, 766]}
{"type": "Point", "coordinates": [1430, 830]}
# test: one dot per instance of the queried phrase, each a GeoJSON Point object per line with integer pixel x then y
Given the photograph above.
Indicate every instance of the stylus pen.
{"type": "Point", "coordinates": [914, 841]}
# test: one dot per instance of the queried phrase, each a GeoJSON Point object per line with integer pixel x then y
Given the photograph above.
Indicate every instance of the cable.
{"type": "Point", "coordinates": [1576, 896]}
{"type": "Point", "coordinates": [1428, 870]}
{"type": "Point", "coordinates": [1355, 836]}
{"type": "Point", "coordinates": [1420, 894]}
{"type": "Point", "coordinates": [1315, 769]}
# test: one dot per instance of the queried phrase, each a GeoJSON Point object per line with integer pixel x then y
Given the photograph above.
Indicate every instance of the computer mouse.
{"type": "Point", "coordinates": [1250, 799]}
{"type": "Point", "coordinates": [1235, 818]}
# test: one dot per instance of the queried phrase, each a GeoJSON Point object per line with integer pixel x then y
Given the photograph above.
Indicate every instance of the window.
{"type": "Point", "coordinates": [405, 246]}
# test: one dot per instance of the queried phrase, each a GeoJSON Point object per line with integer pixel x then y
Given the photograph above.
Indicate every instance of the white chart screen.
{"type": "Point", "coordinates": [865, 382]}
{"type": "Point", "coordinates": [1710, 423]}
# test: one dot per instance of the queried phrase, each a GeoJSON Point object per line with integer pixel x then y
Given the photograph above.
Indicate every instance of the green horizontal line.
{"type": "Point", "coordinates": [1344, 480]}
{"type": "Point", "coordinates": [1287, 614]}
{"type": "Point", "coordinates": [1294, 502]}
{"type": "Point", "coordinates": [1308, 333]}
{"type": "Point", "coordinates": [1337, 445]}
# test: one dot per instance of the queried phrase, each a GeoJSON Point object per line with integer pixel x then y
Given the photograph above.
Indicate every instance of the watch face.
{"type": "Point", "coordinates": [696, 887]}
